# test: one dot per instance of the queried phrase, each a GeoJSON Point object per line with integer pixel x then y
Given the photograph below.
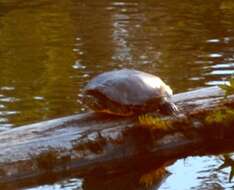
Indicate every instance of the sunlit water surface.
{"type": "Point", "coordinates": [49, 50]}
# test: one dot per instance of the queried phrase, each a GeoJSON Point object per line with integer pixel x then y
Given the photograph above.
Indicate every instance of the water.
{"type": "Point", "coordinates": [49, 50]}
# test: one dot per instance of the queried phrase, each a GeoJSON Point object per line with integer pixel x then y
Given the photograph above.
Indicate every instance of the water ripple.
{"type": "Point", "coordinates": [9, 99]}
{"type": "Point", "coordinates": [8, 113]}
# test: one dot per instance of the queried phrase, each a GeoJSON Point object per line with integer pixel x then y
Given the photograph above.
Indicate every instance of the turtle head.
{"type": "Point", "coordinates": [168, 108]}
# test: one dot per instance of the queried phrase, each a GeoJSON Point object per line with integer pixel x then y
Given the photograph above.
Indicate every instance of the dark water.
{"type": "Point", "coordinates": [49, 49]}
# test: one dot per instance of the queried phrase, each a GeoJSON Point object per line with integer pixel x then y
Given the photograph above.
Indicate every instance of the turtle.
{"type": "Point", "coordinates": [128, 92]}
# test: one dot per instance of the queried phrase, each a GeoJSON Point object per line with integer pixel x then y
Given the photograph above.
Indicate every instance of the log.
{"type": "Point", "coordinates": [91, 144]}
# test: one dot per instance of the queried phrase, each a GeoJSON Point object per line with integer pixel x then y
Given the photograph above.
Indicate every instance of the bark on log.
{"type": "Point", "coordinates": [93, 144]}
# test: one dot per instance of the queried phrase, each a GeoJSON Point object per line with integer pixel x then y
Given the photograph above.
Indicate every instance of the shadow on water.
{"type": "Point", "coordinates": [198, 173]}
{"type": "Point", "coordinates": [143, 179]}
{"type": "Point", "coordinates": [49, 50]}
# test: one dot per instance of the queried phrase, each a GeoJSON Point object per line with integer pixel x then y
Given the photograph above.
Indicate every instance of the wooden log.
{"type": "Point", "coordinates": [94, 144]}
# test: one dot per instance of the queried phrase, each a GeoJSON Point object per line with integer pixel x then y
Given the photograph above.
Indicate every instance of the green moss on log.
{"type": "Point", "coordinates": [154, 122]}
{"type": "Point", "coordinates": [222, 117]}
{"type": "Point", "coordinates": [229, 87]}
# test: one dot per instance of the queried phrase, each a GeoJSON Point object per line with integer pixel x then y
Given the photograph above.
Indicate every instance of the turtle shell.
{"type": "Point", "coordinates": [126, 91]}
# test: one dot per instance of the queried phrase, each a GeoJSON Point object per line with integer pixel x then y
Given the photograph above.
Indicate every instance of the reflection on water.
{"type": "Point", "coordinates": [49, 50]}
{"type": "Point", "coordinates": [71, 184]}
{"type": "Point", "coordinates": [198, 173]}
{"type": "Point", "coordinates": [193, 173]}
